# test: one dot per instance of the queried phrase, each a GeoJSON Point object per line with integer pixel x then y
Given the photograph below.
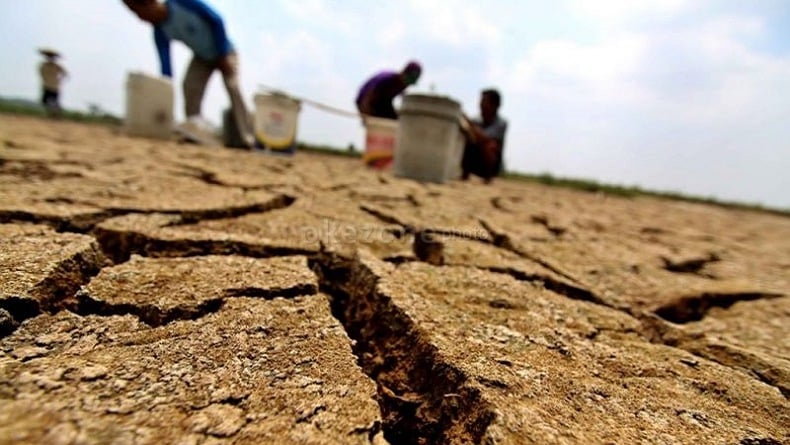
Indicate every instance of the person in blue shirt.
{"type": "Point", "coordinates": [200, 28]}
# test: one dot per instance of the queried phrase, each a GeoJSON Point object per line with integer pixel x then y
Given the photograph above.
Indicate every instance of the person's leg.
{"type": "Point", "coordinates": [49, 100]}
{"type": "Point", "coordinates": [470, 164]}
{"type": "Point", "coordinates": [238, 107]}
{"type": "Point", "coordinates": [56, 103]}
{"type": "Point", "coordinates": [490, 162]}
{"type": "Point", "coordinates": [195, 82]}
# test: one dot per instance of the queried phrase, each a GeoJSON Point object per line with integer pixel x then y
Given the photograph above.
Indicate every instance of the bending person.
{"type": "Point", "coordinates": [376, 95]}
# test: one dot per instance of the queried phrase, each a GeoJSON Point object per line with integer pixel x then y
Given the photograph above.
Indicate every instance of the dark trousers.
{"type": "Point", "coordinates": [476, 162]}
{"type": "Point", "coordinates": [382, 109]}
{"type": "Point", "coordinates": [49, 98]}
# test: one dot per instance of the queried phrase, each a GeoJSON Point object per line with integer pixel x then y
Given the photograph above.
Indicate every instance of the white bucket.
{"type": "Point", "coordinates": [276, 119]}
{"type": "Point", "coordinates": [429, 143]}
{"type": "Point", "coordinates": [149, 106]}
{"type": "Point", "coordinates": [380, 136]}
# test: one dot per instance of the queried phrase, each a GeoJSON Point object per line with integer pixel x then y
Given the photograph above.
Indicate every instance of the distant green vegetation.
{"type": "Point", "coordinates": [577, 184]}
{"type": "Point", "coordinates": [30, 108]}
{"type": "Point", "coordinates": [588, 185]}
{"type": "Point", "coordinates": [326, 149]}
{"type": "Point", "coordinates": [26, 107]}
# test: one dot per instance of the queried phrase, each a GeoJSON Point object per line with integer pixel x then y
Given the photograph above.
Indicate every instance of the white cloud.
{"type": "Point", "coordinates": [300, 52]}
{"type": "Point", "coordinates": [708, 74]}
{"type": "Point", "coordinates": [454, 22]}
{"type": "Point", "coordinates": [392, 33]}
{"type": "Point", "coordinates": [572, 71]}
{"type": "Point", "coordinates": [628, 11]}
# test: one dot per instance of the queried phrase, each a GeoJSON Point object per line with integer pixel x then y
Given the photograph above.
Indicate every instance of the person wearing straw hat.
{"type": "Point", "coordinates": [202, 29]}
{"type": "Point", "coordinates": [52, 74]}
{"type": "Point", "coordinates": [377, 93]}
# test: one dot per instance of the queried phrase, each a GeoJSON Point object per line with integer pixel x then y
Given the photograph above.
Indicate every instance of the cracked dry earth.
{"type": "Point", "coordinates": [157, 293]}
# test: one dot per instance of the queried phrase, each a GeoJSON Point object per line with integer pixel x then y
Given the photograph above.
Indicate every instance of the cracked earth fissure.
{"type": "Point", "coordinates": [120, 245]}
{"type": "Point", "coordinates": [689, 265]}
{"type": "Point", "coordinates": [281, 202]}
{"type": "Point", "coordinates": [84, 304]}
{"type": "Point", "coordinates": [75, 224]}
{"type": "Point", "coordinates": [87, 222]}
{"type": "Point", "coordinates": [148, 314]}
{"type": "Point", "coordinates": [54, 292]}
{"type": "Point", "coordinates": [566, 289]}
{"type": "Point", "coordinates": [496, 239]}
{"type": "Point", "coordinates": [423, 398]}
{"type": "Point", "coordinates": [694, 307]}
{"type": "Point", "coordinates": [503, 241]}
{"type": "Point", "coordinates": [117, 247]}
{"type": "Point", "coordinates": [657, 330]}
{"type": "Point", "coordinates": [744, 361]}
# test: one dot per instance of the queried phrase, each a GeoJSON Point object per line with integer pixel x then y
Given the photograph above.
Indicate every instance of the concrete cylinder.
{"type": "Point", "coordinates": [429, 146]}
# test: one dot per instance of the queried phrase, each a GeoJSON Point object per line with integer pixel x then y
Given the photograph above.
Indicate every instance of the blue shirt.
{"type": "Point", "coordinates": [195, 24]}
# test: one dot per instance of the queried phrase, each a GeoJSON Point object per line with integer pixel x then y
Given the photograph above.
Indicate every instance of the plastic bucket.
{"type": "Point", "coordinates": [149, 106]}
{"type": "Point", "coordinates": [429, 144]}
{"type": "Point", "coordinates": [276, 119]}
{"type": "Point", "coordinates": [380, 136]}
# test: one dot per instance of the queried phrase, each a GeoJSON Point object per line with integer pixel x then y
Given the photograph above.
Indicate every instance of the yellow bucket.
{"type": "Point", "coordinates": [380, 138]}
{"type": "Point", "coordinates": [276, 121]}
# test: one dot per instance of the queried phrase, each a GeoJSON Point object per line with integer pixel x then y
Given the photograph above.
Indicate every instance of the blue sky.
{"type": "Point", "coordinates": [685, 95]}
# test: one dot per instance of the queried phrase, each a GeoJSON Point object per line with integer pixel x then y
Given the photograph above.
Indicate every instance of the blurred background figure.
{"type": "Point", "coordinates": [201, 29]}
{"type": "Point", "coordinates": [376, 95]}
{"type": "Point", "coordinates": [485, 139]}
{"type": "Point", "coordinates": [52, 74]}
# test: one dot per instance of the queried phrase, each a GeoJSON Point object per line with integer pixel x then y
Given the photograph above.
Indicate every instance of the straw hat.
{"type": "Point", "coordinates": [48, 52]}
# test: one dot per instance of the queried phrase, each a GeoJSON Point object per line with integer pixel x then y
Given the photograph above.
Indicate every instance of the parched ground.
{"type": "Point", "coordinates": [156, 293]}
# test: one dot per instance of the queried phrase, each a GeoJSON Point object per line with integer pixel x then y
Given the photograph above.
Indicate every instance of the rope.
{"type": "Point", "coordinates": [319, 105]}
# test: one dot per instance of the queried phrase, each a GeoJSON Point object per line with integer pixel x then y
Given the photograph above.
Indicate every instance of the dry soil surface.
{"type": "Point", "coordinates": [153, 293]}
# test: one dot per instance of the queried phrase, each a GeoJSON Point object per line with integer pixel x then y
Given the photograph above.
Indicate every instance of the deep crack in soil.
{"type": "Point", "coordinates": [690, 265]}
{"type": "Point", "coordinates": [120, 245]}
{"type": "Point", "coordinates": [82, 223]}
{"type": "Point", "coordinates": [694, 307]}
{"type": "Point", "coordinates": [566, 289]}
{"type": "Point", "coordinates": [659, 331]}
{"type": "Point", "coordinates": [148, 314]}
{"type": "Point", "coordinates": [423, 399]}
{"type": "Point", "coordinates": [56, 291]}
{"type": "Point", "coordinates": [503, 241]}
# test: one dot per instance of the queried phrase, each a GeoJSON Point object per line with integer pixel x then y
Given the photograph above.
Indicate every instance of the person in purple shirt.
{"type": "Point", "coordinates": [201, 29]}
{"type": "Point", "coordinates": [376, 95]}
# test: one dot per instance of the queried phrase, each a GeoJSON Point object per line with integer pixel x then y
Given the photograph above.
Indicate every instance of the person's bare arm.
{"type": "Point", "coordinates": [475, 133]}
{"type": "Point", "coordinates": [491, 147]}
{"type": "Point", "coordinates": [469, 128]}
